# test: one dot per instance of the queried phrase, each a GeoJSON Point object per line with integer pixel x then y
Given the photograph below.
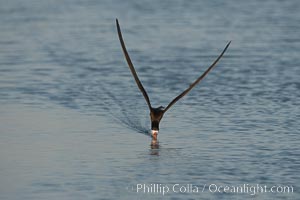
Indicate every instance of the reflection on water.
{"type": "Point", "coordinates": [154, 144]}
{"type": "Point", "coordinates": [71, 114]}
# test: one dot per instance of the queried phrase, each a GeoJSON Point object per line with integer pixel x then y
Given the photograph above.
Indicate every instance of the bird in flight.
{"type": "Point", "coordinates": [156, 114]}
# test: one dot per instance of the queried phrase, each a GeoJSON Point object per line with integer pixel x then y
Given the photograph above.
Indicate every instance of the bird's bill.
{"type": "Point", "coordinates": [154, 134]}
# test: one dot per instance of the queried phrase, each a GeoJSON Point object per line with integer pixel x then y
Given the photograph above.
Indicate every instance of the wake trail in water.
{"type": "Point", "coordinates": [121, 112]}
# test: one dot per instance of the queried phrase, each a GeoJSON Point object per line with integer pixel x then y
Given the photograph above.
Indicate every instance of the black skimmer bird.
{"type": "Point", "coordinates": [156, 114]}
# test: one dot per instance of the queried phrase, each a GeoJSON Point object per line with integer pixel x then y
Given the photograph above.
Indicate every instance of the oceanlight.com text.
{"type": "Point", "coordinates": [250, 189]}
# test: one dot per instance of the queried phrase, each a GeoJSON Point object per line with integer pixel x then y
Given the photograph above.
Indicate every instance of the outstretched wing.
{"type": "Point", "coordinates": [131, 67]}
{"type": "Point", "coordinates": [196, 81]}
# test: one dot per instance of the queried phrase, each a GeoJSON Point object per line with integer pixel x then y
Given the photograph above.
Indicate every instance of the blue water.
{"type": "Point", "coordinates": [73, 124]}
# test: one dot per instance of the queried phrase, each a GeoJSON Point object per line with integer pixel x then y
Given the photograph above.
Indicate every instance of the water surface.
{"type": "Point", "coordinates": [73, 122]}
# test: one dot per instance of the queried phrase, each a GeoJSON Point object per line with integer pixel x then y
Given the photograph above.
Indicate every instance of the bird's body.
{"type": "Point", "coordinates": [156, 115]}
